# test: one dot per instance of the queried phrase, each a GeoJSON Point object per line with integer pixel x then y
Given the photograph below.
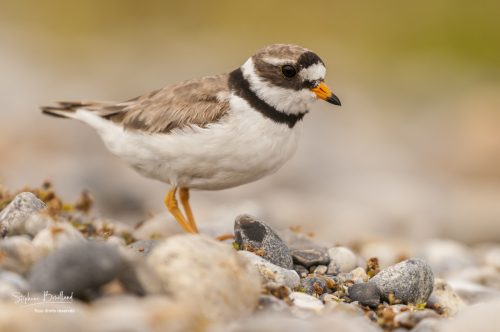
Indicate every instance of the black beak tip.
{"type": "Point", "coordinates": [333, 99]}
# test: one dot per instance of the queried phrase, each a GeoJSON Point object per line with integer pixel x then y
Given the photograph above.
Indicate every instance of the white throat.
{"type": "Point", "coordinates": [284, 100]}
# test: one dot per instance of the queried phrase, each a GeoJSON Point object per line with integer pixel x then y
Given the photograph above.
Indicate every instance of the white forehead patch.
{"type": "Point", "coordinates": [276, 61]}
{"type": "Point", "coordinates": [314, 72]}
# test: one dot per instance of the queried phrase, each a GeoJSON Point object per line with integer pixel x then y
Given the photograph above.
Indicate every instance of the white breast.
{"type": "Point", "coordinates": [243, 147]}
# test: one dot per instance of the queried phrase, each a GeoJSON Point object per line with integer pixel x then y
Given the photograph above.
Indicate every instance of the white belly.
{"type": "Point", "coordinates": [243, 147]}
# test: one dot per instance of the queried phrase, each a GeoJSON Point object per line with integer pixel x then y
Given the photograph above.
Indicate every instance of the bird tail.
{"type": "Point", "coordinates": [67, 109]}
{"type": "Point", "coordinates": [64, 109]}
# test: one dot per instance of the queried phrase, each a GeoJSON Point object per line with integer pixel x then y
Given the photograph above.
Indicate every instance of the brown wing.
{"type": "Point", "coordinates": [195, 102]}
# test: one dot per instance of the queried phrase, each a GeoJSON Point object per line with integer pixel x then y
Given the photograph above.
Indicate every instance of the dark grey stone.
{"type": "Point", "coordinates": [366, 294]}
{"type": "Point", "coordinates": [256, 236]}
{"type": "Point", "coordinates": [411, 281]}
{"type": "Point", "coordinates": [80, 269]}
{"type": "Point", "coordinates": [310, 257]}
{"type": "Point", "coordinates": [18, 211]}
{"type": "Point", "coordinates": [313, 285]}
{"type": "Point", "coordinates": [302, 271]}
{"type": "Point", "coordinates": [143, 247]}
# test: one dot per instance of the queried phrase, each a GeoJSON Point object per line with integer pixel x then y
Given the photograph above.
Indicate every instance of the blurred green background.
{"type": "Point", "coordinates": [414, 151]}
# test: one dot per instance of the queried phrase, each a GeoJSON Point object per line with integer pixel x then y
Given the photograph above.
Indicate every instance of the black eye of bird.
{"type": "Point", "coordinates": [288, 71]}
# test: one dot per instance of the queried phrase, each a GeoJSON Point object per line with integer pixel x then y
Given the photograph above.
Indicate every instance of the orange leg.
{"type": "Point", "coordinates": [173, 207]}
{"type": "Point", "coordinates": [184, 196]}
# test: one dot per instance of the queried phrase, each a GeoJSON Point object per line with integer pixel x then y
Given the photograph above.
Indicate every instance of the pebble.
{"type": "Point", "coordinates": [366, 294]}
{"type": "Point", "coordinates": [492, 257]}
{"type": "Point", "coordinates": [80, 268]}
{"type": "Point", "coordinates": [208, 275]}
{"type": "Point", "coordinates": [305, 301]}
{"type": "Point", "coordinates": [445, 297]}
{"type": "Point", "coordinates": [272, 303]}
{"type": "Point", "coordinates": [320, 269]}
{"type": "Point", "coordinates": [256, 236]}
{"type": "Point", "coordinates": [471, 292]}
{"type": "Point", "coordinates": [18, 254]}
{"type": "Point", "coordinates": [12, 283]}
{"type": "Point", "coordinates": [14, 215]}
{"type": "Point", "coordinates": [314, 285]}
{"type": "Point", "coordinates": [56, 236]}
{"type": "Point", "coordinates": [342, 259]}
{"type": "Point", "coordinates": [302, 271]}
{"type": "Point", "coordinates": [270, 272]}
{"type": "Point", "coordinates": [409, 319]}
{"type": "Point", "coordinates": [410, 281]}
{"type": "Point", "coordinates": [310, 257]}
{"type": "Point", "coordinates": [143, 247]}
{"type": "Point", "coordinates": [359, 275]}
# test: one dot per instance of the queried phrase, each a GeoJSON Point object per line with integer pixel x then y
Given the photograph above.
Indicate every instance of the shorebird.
{"type": "Point", "coordinates": [214, 132]}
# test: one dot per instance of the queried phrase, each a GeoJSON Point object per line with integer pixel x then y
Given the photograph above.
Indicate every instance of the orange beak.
{"type": "Point", "coordinates": [322, 91]}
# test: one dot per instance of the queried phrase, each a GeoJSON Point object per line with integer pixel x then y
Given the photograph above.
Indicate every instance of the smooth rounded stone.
{"type": "Point", "coordinates": [12, 283]}
{"type": "Point", "coordinates": [342, 259]}
{"type": "Point", "coordinates": [484, 275]}
{"type": "Point", "coordinates": [320, 269]}
{"type": "Point", "coordinates": [80, 268]}
{"type": "Point", "coordinates": [446, 256]}
{"type": "Point", "coordinates": [443, 296]}
{"type": "Point", "coordinates": [482, 317]}
{"type": "Point", "coordinates": [409, 319]}
{"type": "Point", "coordinates": [143, 247]}
{"type": "Point", "coordinates": [14, 215]}
{"type": "Point", "coordinates": [366, 294]}
{"type": "Point", "coordinates": [302, 271]}
{"type": "Point", "coordinates": [270, 272]}
{"type": "Point", "coordinates": [18, 254]}
{"type": "Point", "coordinates": [254, 235]}
{"type": "Point", "coordinates": [310, 257]}
{"type": "Point", "coordinates": [207, 274]}
{"type": "Point", "coordinates": [56, 236]}
{"type": "Point", "coordinates": [305, 301]}
{"type": "Point", "coordinates": [313, 285]}
{"type": "Point", "coordinates": [410, 281]}
{"type": "Point", "coordinates": [359, 275]}
{"type": "Point", "coordinates": [36, 223]}
{"type": "Point", "coordinates": [158, 227]}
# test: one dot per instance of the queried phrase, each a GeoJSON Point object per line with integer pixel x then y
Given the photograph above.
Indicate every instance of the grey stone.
{"type": "Point", "coordinates": [143, 247]}
{"type": "Point", "coordinates": [14, 215]}
{"type": "Point", "coordinates": [310, 257]}
{"type": "Point", "coordinates": [79, 268]}
{"type": "Point", "coordinates": [208, 275]}
{"type": "Point", "coordinates": [256, 236]}
{"type": "Point", "coordinates": [314, 285]}
{"type": "Point", "coordinates": [366, 294]}
{"type": "Point", "coordinates": [302, 271]}
{"type": "Point", "coordinates": [342, 260]}
{"type": "Point", "coordinates": [271, 273]}
{"type": "Point", "coordinates": [410, 281]}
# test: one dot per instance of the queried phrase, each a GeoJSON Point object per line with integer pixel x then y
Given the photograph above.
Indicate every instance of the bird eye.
{"type": "Point", "coordinates": [288, 71]}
